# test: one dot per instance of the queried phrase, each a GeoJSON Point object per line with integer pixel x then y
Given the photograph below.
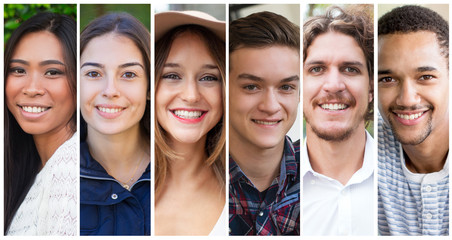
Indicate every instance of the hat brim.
{"type": "Point", "coordinates": [166, 21]}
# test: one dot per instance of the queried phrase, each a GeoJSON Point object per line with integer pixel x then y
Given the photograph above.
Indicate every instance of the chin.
{"type": "Point", "coordinates": [333, 134]}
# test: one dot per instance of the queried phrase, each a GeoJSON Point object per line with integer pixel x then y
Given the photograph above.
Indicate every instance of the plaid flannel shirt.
{"type": "Point", "coordinates": [276, 211]}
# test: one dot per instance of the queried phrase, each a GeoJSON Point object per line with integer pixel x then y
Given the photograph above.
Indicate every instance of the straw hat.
{"type": "Point", "coordinates": [166, 21]}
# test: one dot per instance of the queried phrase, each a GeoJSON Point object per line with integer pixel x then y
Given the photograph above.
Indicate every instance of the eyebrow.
{"type": "Point", "coordinates": [50, 62]}
{"type": "Point", "coordinates": [354, 63]}
{"type": "Point", "coordinates": [43, 63]}
{"type": "Point", "coordinates": [92, 64]}
{"type": "Point", "coordinates": [131, 64]}
{"type": "Point", "coordinates": [346, 63]}
{"type": "Point", "coordinates": [386, 71]}
{"type": "Point", "coordinates": [426, 69]}
{"type": "Point", "coordinates": [259, 79]}
{"type": "Point", "coordinates": [419, 69]}
{"type": "Point", "coordinates": [176, 65]}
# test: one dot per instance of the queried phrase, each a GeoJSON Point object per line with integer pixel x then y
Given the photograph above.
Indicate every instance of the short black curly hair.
{"type": "Point", "coordinates": [413, 18]}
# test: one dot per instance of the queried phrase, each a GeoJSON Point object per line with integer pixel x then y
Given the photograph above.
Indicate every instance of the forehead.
{"type": "Point", "coordinates": [38, 46]}
{"type": "Point", "coordinates": [111, 47]}
{"type": "Point", "coordinates": [410, 50]}
{"type": "Point", "coordinates": [334, 47]}
{"type": "Point", "coordinates": [274, 62]}
{"type": "Point", "coordinates": [190, 43]}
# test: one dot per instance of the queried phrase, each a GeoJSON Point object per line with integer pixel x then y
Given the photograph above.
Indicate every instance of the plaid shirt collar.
{"type": "Point", "coordinates": [288, 168]}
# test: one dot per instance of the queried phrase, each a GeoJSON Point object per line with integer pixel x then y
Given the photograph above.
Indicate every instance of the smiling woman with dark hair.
{"type": "Point", "coordinates": [40, 124]}
{"type": "Point", "coordinates": [115, 150]}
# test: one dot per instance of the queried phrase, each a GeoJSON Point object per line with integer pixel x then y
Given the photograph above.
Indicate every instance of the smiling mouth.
{"type": "Point", "coordinates": [188, 114]}
{"type": "Point", "coordinates": [109, 110]}
{"type": "Point", "coordinates": [34, 109]}
{"type": "Point", "coordinates": [334, 106]}
{"type": "Point", "coordinates": [410, 116]}
{"type": "Point", "coordinates": [266, 122]}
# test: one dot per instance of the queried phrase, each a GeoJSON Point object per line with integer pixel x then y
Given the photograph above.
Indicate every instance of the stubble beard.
{"type": "Point", "coordinates": [417, 139]}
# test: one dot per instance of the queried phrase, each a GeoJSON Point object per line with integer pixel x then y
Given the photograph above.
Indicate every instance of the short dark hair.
{"type": "Point", "coordinates": [354, 22]}
{"type": "Point", "coordinates": [263, 29]}
{"type": "Point", "coordinates": [410, 18]}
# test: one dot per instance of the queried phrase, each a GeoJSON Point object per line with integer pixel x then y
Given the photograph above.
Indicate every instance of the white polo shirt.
{"type": "Point", "coordinates": [330, 208]}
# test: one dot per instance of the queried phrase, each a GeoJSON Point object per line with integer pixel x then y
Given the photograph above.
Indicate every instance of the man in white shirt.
{"type": "Point", "coordinates": [413, 138]}
{"type": "Point", "coordinates": [337, 167]}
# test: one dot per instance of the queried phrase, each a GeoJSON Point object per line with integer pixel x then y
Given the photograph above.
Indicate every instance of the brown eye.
{"type": "Point", "coordinates": [129, 75]}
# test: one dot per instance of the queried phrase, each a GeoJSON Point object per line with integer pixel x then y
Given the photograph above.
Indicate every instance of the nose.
{"type": "Point", "coordinates": [190, 91]}
{"type": "Point", "coordinates": [408, 94]}
{"type": "Point", "coordinates": [334, 81]}
{"type": "Point", "coordinates": [111, 89]}
{"type": "Point", "coordinates": [269, 102]}
{"type": "Point", "coordinates": [33, 87]}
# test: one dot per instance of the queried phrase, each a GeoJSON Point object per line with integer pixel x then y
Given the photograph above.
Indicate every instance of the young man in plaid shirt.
{"type": "Point", "coordinates": [264, 88]}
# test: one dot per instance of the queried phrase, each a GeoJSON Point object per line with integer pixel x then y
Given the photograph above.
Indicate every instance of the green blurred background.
{"type": "Point", "coordinates": [16, 14]}
{"type": "Point", "coordinates": [88, 12]}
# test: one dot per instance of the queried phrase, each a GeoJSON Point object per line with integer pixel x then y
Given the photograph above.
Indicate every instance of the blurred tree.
{"type": "Point", "coordinates": [15, 14]}
{"type": "Point", "coordinates": [89, 12]}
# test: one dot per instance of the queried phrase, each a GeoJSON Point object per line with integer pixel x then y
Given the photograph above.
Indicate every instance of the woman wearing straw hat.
{"type": "Point", "coordinates": [189, 132]}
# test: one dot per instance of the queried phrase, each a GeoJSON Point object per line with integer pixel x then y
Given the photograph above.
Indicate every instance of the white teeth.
{"type": "Point", "coordinates": [409, 116]}
{"type": "Point", "coordinates": [34, 109]}
{"type": "Point", "coordinates": [188, 114]}
{"type": "Point", "coordinates": [109, 110]}
{"type": "Point", "coordinates": [265, 122]}
{"type": "Point", "coordinates": [335, 106]}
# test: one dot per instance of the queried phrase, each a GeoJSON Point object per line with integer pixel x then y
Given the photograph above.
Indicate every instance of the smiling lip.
{"type": "Point", "coordinates": [109, 111]}
{"type": "Point", "coordinates": [334, 107]}
{"type": "Point", "coordinates": [266, 122]}
{"type": "Point", "coordinates": [190, 116]}
{"type": "Point", "coordinates": [409, 118]}
{"type": "Point", "coordinates": [33, 111]}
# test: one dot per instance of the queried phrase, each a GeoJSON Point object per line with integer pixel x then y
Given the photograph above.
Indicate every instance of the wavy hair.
{"type": "Point", "coordinates": [354, 22]}
{"type": "Point", "coordinates": [216, 137]}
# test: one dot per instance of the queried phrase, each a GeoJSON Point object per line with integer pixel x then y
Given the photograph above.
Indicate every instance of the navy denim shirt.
{"type": "Point", "coordinates": [106, 208]}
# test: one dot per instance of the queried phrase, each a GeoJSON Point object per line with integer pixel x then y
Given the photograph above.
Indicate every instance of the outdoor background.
{"type": "Point", "coordinates": [15, 14]}
{"type": "Point", "coordinates": [89, 12]}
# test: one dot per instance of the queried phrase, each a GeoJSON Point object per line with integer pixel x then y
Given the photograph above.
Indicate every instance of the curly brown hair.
{"type": "Point", "coordinates": [353, 21]}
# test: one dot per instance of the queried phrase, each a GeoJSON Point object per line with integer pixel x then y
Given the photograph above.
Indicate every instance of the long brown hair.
{"type": "Point", "coordinates": [216, 137]}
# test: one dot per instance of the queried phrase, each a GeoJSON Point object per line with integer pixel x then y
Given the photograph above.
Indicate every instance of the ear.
{"type": "Point", "coordinates": [371, 90]}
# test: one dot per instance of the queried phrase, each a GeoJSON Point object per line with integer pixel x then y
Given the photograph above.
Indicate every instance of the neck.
{"type": "Point", "coordinates": [118, 152]}
{"type": "Point", "coordinates": [430, 155]}
{"type": "Point", "coordinates": [337, 159]}
{"type": "Point", "coordinates": [46, 144]}
{"type": "Point", "coordinates": [260, 165]}
{"type": "Point", "coordinates": [191, 160]}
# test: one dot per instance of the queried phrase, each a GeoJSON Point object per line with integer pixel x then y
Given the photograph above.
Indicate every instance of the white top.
{"type": "Point", "coordinates": [221, 227]}
{"type": "Point", "coordinates": [330, 208]}
{"type": "Point", "coordinates": [50, 207]}
{"type": "Point", "coordinates": [409, 203]}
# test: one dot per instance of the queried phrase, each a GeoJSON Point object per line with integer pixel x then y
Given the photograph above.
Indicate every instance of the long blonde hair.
{"type": "Point", "coordinates": [216, 137]}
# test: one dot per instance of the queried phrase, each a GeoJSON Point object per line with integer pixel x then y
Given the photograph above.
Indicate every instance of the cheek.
{"type": "Point", "coordinates": [88, 91]}
{"type": "Point", "coordinates": [290, 104]}
{"type": "Point", "coordinates": [310, 89]}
